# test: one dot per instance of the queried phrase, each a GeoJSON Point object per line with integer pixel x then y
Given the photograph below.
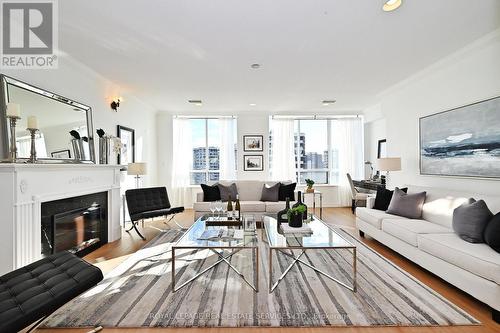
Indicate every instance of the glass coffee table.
{"type": "Point", "coordinates": [189, 242]}
{"type": "Point", "coordinates": [322, 238]}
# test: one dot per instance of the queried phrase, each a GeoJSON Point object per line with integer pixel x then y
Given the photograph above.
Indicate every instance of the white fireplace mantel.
{"type": "Point", "coordinates": [24, 187]}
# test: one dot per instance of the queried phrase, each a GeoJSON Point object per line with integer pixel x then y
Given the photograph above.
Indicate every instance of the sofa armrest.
{"type": "Point", "coordinates": [370, 202]}
{"type": "Point", "coordinates": [199, 197]}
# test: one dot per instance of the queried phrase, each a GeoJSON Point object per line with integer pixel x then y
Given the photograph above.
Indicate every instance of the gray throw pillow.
{"type": "Point", "coordinates": [407, 205]}
{"type": "Point", "coordinates": [470, 220]}
{"type": "Point", "coordinates": [226, 191]}
{"type": "Point", "coordinates": [270, 193]}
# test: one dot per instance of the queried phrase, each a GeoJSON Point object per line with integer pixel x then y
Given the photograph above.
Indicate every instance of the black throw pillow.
{"type": "Point", "coordinates": [227, 192]}
{"type": "Point", "coordinates": [210, 193]}
{"type": "Point", "coordinates": [492, 233]}
{"type": "Point", "coordinates": [383, 198]}
{"type": "Point", "coordinates": [287, 191]}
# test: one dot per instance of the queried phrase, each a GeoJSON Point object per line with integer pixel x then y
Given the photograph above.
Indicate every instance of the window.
{"type": "Point", "coordinates": [316, 147]}
{"type": "Point", "coordinates": [207, 137]}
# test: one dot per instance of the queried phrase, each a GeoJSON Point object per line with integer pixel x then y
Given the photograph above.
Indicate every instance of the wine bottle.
{"type": "Point", "coordinates": [237, 208]}
{"type": "Point", "coordinates": [229, 209]}
{"type": "Point", "coordinates": [298, 203]}
{"type": "Point", "coordinates": [283, 214]}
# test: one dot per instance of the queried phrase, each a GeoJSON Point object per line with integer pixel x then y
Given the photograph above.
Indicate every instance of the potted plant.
{"type": "Point", "coordinates": [296, 216]}
{"type": "Point", "coordinates": [310, 184]}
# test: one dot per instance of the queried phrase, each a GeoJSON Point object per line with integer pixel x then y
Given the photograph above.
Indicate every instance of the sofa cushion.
{"type": "Point", "coordinates": [374, 216]}
{"type": "Point", "coordinates": [201, 206]}
{"type": "Point", "coordinates": [270, 192]}
{"type": "Point", "coordinates": [250, 190]}
{"type": "Point", "coordinates": [470, 220]}
{"type": "Point", "coordinates": [478, 259]}
{"type": "Point", "coordinates": [408, 230]}
{"type": "Point", "coordinates": [407, 205]}
{"type": "Point", "coordinates": [274, 207]}
{"type": "Point", "coordinates": [383, 198]}
{"type": "Point", "coordinates": [253, 206]}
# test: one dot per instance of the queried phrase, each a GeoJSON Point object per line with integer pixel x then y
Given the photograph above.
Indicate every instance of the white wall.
{"type": "Point", "coordinates": [374, 131]}
{"type": "Point", "coordinates": [470, 75]}
{"type": "Point", "coordinates": [78, 82]}
{"type": "Point", "coordinates": [249, 124]}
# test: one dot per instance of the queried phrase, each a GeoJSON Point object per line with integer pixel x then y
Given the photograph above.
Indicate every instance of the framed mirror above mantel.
{"type": "Point", "coordinates": [56, 117]}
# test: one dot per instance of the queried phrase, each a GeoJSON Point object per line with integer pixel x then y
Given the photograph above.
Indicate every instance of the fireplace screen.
{"type": "Point", "coordinates": [77, 225]}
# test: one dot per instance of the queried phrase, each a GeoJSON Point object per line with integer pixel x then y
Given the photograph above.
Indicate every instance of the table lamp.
{"type": "Point", "coordinates": [137, 170]}
{"type": "Point", "coordinates": [388, 164]}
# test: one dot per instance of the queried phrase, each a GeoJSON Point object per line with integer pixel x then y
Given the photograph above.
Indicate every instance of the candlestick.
{"type": "Point", "coordinates": [32, 122]}
{"type": "Point", "coordinates": [32, 158]}
{"type": "Point", "coordinates": [13, 110]}
{"type": "Point", "coordinates": [13, 148]}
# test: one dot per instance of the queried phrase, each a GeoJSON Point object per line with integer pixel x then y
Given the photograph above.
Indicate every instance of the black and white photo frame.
{"type": "Point", "coordinates": [253, 162]}
{"type": "Point", "coordinates": [253, 143]}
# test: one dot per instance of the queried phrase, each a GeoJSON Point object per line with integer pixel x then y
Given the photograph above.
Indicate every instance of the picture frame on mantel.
{"type": "Point", "coordinates": [127, 137]}
{"type": "Point", "coordinates": [253, 143]}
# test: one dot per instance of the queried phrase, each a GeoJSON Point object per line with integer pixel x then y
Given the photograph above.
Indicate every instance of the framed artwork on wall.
{"type": "Point", "coordinates": [253, 162]}
{"type": "Point", "coordinates": [382, 148]}
{"type": "Point", "coordinates": [462, 142]}
{"type": "Point", "coordinates": [127, 137]}
{"type": "Point", "coordinates": [253, 143]}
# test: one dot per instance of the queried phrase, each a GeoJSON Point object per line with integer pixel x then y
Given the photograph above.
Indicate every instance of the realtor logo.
{"type": "Point", "coordinates": [29, 38]}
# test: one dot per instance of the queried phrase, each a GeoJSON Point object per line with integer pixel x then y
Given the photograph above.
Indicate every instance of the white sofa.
{"type": "Point", "coordinates": [431, 243]}
{"type": "Point", "coordinates": [249, 192]}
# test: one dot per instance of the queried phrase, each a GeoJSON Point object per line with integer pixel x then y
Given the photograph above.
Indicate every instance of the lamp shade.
{"type": "Point", "coordinates": [389, 164]}
{"type": "Point", "coordinates": [136, 169]}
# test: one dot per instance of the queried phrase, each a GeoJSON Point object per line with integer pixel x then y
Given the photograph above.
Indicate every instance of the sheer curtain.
{"type": "Point", "coordinates": [283, 150]}
{"type": "Point", "coordinates": [227, 163]}
{"type": "Point", "coordinates": [347, 140]}
{"type": "Point", "coordinates": [182, 160]}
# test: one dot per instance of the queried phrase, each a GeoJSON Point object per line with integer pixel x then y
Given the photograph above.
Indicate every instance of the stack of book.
{"type": "Point", "coordinates": [304, 230]}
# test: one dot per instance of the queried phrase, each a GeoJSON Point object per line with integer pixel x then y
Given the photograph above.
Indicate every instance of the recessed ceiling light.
{"type": "Point", "coordinates": [255, 66]}
{"type": "Point", "coordinates": [391, 5]}
{"type": "Point", "coordinates": [196, 101]}
{"type": "Point", "coordinates": [253, 104]}
{"type": "Point", "coordinates": [327, 102]}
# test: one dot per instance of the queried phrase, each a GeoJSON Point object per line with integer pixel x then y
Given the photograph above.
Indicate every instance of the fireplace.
{"type": "Point", "coordinates": [77, 224]}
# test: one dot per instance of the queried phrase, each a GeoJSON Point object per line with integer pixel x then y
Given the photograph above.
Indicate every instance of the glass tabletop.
{"type": "Point", "coordinates": [322, 236]}
{"type": "Point", "coordinates": [190, 238]}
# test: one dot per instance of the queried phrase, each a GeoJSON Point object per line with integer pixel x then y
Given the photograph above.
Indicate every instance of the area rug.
{"type": "Point", "coordinates": [138, 293]}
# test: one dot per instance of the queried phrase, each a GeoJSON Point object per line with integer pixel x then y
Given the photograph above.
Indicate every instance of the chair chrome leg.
{"type": "Point", "coordinates": [171, 219]}
{"type": "Point", "coordinates": [134, 226]}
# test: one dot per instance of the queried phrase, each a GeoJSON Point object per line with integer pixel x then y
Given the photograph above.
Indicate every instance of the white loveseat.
{"type": "Point", "coordinates": [249, 192]}
{"type": "Point", "coordinates": [431, 243]}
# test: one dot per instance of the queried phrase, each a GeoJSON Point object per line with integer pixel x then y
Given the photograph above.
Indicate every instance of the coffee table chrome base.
{"type": "Point", "coordinates": [222, 259]}
{"type": "Point", "coordinates": [297, 259]}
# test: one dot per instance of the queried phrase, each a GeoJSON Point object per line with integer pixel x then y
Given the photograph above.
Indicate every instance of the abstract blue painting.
{"type": "Point", "coordinates": [462, 142]}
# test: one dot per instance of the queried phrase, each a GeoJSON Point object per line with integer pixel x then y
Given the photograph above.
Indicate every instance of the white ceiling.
{"type": "Point", "coordinates": [166, 52]}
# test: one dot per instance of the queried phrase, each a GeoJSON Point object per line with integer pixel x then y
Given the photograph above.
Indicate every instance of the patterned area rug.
{"type": "Point", "coordinates": [138, 293]}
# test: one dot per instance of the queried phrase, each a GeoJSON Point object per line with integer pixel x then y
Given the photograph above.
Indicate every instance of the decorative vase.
{"type": "Point", "coordinates": [282, 214]}
{"type": "Point", "coordinates": [299, 202]}
{"type": "Point", "coordinates": [310, 190]}
{"type": "Point", "coordinates": [295, 221]}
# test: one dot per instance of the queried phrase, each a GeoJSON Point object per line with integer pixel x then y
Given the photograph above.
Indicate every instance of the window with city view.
{"type": "Point", "coordinates": [315, 157]}
{"type": "Point", "coordinates": [206, 140]}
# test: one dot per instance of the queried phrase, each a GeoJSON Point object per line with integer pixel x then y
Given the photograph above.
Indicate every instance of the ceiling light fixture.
{"type": "Point", "coordinates": [391, 5]}
{"type": "Point", "coordinates": [253, 104]}
{"type": "Point", "coordinates": [255, 66]}
{"type": "Point", "coordinates": [327, 102]}
{"type": "Point", "coordinates": [196, 102]}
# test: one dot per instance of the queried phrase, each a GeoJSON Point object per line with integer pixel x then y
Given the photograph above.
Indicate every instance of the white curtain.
{"type": "Point", "coordinates": [182, 160]}
{"type": "Point", "coordinates": [227, 163]}
{"type": "Point", "coordinates": [283, 150]}
{"type": "Point", "coordinates": [347, 140]}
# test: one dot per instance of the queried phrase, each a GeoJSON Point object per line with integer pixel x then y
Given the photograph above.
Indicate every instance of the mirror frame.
{"type": "Point", "coordinates": [4, 126]}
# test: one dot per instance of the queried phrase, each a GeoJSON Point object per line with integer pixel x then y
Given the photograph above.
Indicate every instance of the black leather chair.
{"type": "Point", "coordinates": [145, 203]}
{"type": "Point", "coordinates": [35, 291]}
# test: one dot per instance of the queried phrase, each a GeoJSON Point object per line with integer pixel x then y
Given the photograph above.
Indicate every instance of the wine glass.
{"type": "Point", "coordinates": [212, 207]}
{"type": "Point", "coordinates": [218, 207]}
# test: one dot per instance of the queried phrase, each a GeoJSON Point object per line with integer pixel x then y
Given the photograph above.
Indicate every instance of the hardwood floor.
{"type": "Point", "coordinates": [111, 255]}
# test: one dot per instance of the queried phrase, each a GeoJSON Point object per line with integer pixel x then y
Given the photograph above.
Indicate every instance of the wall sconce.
{"type": "Point", "coordinates": [115, 104]}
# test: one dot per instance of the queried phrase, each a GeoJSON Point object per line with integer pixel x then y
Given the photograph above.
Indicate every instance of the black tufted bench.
{"type": "Point", "coordinates": [35, 291]}
{"type": "Point", "coordinates": [145, 203]}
